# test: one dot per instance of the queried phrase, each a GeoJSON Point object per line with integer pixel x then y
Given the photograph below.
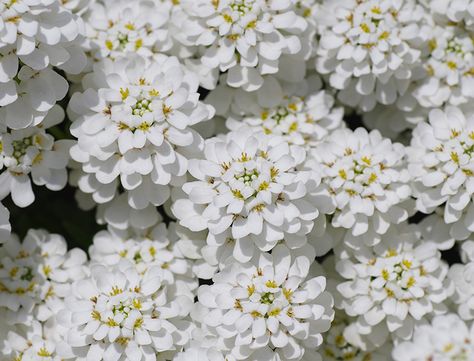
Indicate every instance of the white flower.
{"type": "Point", "coordinates": [368, 49]}
{"type": "Point", "coordinates": [118, 28]}
{"type": "Point", "coordinates": [449, 66]}
{"type": "Point", "coordinates": [298, 120]}
{"type": "Point", "coordinates": [246, 38]}
{"type": "Point", "coordinates": [338, 347]}
{"type": "Point", "coordinates": [268, 309]}
{"type": "Point", "coordinates": [397, 283]}
{"type": "Point", "coordinates": [153, 247]}
{"type": "Point", "coordinates": [367, 178]}
{"type": "Point", "coordinates": [461, 275]}
{"type": "Point", "coordinates": [33, 152]}
{"type": "Point", "coordinates": [276, 88]}
{"type": "Point", "coordinates": [29, 344]}
{"type": "Point", "coordinates": [118, 313]}
{"type": "Point", "coordinates": [77, 6]}
{"type": "Point", "coordinates": [250, 194]}
{"type": "Point", "coordinates": [134, 129]}
{"type": "Point", "coordinates": [38, 92]}
{"type": "Point", "coordinates": [35, 35]}
{"type": "Point", "coordinates": [441, 163]}
{"type": "Point", "coordinates": [458, 11]}
{"type": "Point", "coordinates": [38, 33]}
{"type": "Point", "coordinates": [445, 338]}
{"type": "Point", "coordinates": [36, 275]}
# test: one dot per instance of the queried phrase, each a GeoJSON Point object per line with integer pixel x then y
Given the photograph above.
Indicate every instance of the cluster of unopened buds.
{"type": "Point", "coordinates": [273, 180]}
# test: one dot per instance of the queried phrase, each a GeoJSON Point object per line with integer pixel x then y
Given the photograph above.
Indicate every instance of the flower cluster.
{"type": "Point", "coordinates": [244, 180]}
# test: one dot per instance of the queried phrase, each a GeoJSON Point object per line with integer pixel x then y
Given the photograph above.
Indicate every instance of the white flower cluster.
{"type": "Point", "coordinates": [271, 180]}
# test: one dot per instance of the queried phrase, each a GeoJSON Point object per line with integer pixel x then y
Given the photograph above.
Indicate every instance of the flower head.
{"type": "Point", "coordinates": [398, 283]}
{"type": "Point", "coordinates": [32, 152]}
{"type": "Point", "coordinates": [446, 337]}
{"type": "Point", "coordinates": [117, 29]}
{"type": "Point", "coordinates": [36, 275]}
{"type": "Point", "coordinates": [249, 191]}
{"type": "Point", "coordinates": [368, 50]}
{"type": "Point", "coordinates": [268, 308]}
{"type": "Point", "coordinates": [367, 179]}
{"type": "Point", "coordinates": [117, 311]}
{"type": "Point", "coordinates": [441, 160]}
{"type": "Point", "coordinates": [134, 129]}
{"type": "Point", "coordinates": [247, 38]}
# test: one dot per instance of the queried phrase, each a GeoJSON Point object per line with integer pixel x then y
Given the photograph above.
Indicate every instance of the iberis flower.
{"type": "Point", "coordinates": [367, 178]}
{"type": "Point", "coordinates": [397, 283]}
{"type": "Point", "coordinates": [36, 275]}
{"type": "Point", "coordinates": [368, 49]}
{"type": "Point", "coordinates": [250, 194]}
{"type": "Point", "coordinates": [446, 337]}
{"type": "Point", "coordinates": [156, 246]}
{"type": "Point", "coordinates": [118, 313]}
{"type": "Point", "coordinates": [461, 275]}
{"type": "Point", "coordinates": [441, 160]}
{"type": "Point", "coordinates": [268, 309]}
{"type": "Point", "coordinates": [449, 66]}
{"type": "Point", "coordinates": [133, 129]}
{"type": "Point", "coordinates": [33, 152]}
{"type": "Point", "coordinates": [35, 35]}
{"type": "Point", "coordinates": [246, 38]}
{"type": "Point", "coordinates": [337, 347]}
{"type": "Point", "coordinates": [457, 11]}
{"type": "Point", "coordinates": [30, 343]}
{"type": "Point", "coordinates": [118, 28]}
{"type": "Point", "coordinates": [298, 120]}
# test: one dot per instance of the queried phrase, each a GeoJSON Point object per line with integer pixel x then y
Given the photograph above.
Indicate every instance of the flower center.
{"type": "Point", "coordinates": [242, 6]}
{"type": "Point", "coordinates": [141, 107]}
{"type": "Point", "coordinates": [20, 147]}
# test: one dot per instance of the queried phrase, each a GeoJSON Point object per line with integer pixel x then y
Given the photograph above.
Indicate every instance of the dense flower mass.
{"type": "Point", "coordinates": [117, 28]}
{"type": "Point", "coordinates": [367, 179]}
{"type": "Point", "coordinates": [36, 275]}
{"type": "Point", "coordinates": [446, 338]}
{"type": "Point", "coordinates": [268, 307]}
{"type": "Point", "coordinates": [440, 159]}
{"type": "Point", "coordinates": [133, 129]}
{"type": "Point", "coordinates": [236, 180]}
{"type": "Point", "coordinates": [249, 189]}
{"type": "Point", "coordinates": [368, 49]}
{"type": "Point", "coordinates": [246, 38]}
{"type": "Point", "coordinates": [122, 312]}
{"type": "Point", "coordinates": [397, 282]}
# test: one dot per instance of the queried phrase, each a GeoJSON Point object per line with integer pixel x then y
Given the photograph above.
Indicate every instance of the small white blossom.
{"type": "Point", "coordinates": [299, 120]}
{"type": "Point", "coordinates": [35, 35]}
{"type": "Point", "coordinates": [118, 28]}
{"type": "Point", "coordinates": [397, 283]}
{"type": "Point", "coordinates": [29, 344]}
{"type": "Point", "coordinates": [445, 338]}
{"type": "Point", "coordinates": [118, 313]}
{"type": "Point", "coordinates": [458, 11]}
{"type": "Point", "coordinates": [449, 66]}
{"type": "Point", "coordinates": [134, 129]}
{"type": "Point", "coordinates": [250, 194]}
{"type": "Point", "coordinates": [268, 309]}
{"type": "Point", "coordinates": [368, 182]}
{"type": "Point", "coordinates": [33, 152]}
{"type": "Point", "coordinates": [36, 275]}
{"type": "Point", "coordinates": [441, 163]}
{"type": "Point", "coordinates": [246, 38]}
{"type": "Point", "coordinates": [461, 275]}
{"type": "Point", "coordinates": [338, 347]}
{"type": "Point", "coordinates": [156, 246]}
{"type": "Point", "coordinates": [368, 49]}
